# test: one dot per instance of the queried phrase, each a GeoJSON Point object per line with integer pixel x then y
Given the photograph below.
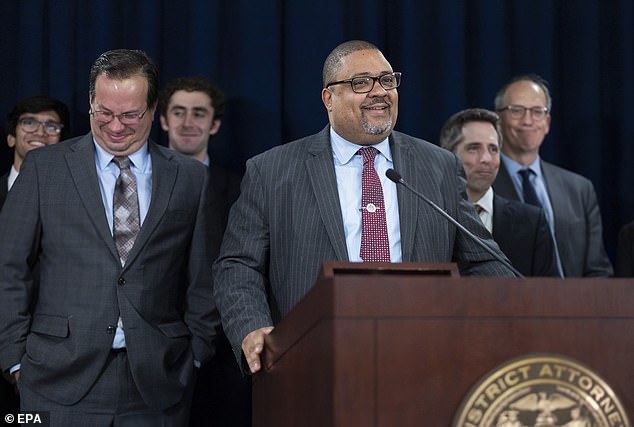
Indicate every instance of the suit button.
{"type": "Point", "coordinates": [111, 329]}
{"type": "Point", "coordinates": [121, 281]}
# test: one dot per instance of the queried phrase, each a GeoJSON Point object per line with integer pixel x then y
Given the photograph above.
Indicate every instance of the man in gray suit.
{"type": "Point", "coordinates": [109, 337]}
{"type": "Point", "coordinates": [519, 229]}
{"type": "Point", "coordinates": [568, 199]}
{"type": "Point", "coordinates": [301, 203]}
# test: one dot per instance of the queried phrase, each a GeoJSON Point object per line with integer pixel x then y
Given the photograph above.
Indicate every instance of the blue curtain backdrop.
{"type": "Point", "coordinates": [268, 55]}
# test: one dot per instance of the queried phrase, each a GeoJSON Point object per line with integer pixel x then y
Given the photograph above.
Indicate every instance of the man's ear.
{"type": "Point", "coordinates": [215, 127]}
{"type": "Point", "coordinates": [326, 97]}
{"type": "Point", "coordinates": [11, 141]}
{"type": "Point", "coordinates": [164, 125]}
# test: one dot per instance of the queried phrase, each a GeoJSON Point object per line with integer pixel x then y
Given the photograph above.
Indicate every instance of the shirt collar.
{"type": "Point", "coordinates": [345, 150]}
{"type": "Point", "coordinates": [139, 159]}
{"type": "Point", "coordinates": [513, 167]}
{"type": "Point", "coordinates": [486, 201]}
{"type": "Point", "coordinates": [13, 175]}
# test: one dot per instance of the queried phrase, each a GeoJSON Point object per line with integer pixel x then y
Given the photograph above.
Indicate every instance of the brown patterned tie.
{"type": "Point", "coordinates": [375, 246]}
{"type": "Point", "coordinates": [125, 205]}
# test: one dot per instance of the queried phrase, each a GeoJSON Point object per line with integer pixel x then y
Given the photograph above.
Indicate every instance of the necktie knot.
{"type": "Point", "coordinates": [528, 190]}
{"type": "Point", "coordinates": [123, 162]}
{"type": "Point", "coordinates": [368, 153]}
{"type": "Point", "coordinates": [479, 209]}
{"type": "Point", "coordinates": [526, 173]}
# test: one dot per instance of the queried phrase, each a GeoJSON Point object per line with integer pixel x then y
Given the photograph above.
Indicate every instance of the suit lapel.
{"type": "Point", "coordinates": [321, 172]}
{"type": "Point", "coordinates": [554, 185]}
{"type": "Point", "coordinates": [407, 201]}
{"type": "Point", "coordinates": [81, 164]}
{"type": "Point", "coordinates": [503, 184]}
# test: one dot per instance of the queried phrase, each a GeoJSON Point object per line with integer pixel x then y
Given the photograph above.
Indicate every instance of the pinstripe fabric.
{"type": "Point", "coordinates": [287, 222]}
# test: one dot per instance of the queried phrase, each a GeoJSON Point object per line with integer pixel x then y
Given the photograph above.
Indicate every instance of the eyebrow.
{"type": "Point", "coordinates": [366, 73]}
{"type": "Point", "coordinates": [181, 107]}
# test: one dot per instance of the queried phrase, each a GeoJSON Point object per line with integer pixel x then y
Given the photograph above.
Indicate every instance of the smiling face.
{"type": "Point", "coordinates": [479, 151]}
{"type": "Point", "coordinates": [361, 118]}
{"type": "Point", "coordinates": [23, 141]}
{"type": "Point", "coordinates": [120, 97]}
{"type": "Point", "coordinates": [523, 136]}
{"type": "Point", "coordinates": [189, 122]}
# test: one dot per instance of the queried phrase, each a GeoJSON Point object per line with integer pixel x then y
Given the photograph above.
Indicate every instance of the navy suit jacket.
{"type": "Point", "coordinates": [522, 232]}
{"type": "Point", "coordinates": [578, 227]}
{"type": "Point", "coordinates": [62, 330]}
{"type": "Point", "coordinates": [287, 222]}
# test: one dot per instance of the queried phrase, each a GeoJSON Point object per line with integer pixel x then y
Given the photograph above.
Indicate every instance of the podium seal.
{"type": "Point", "coordinates": [542, 390]}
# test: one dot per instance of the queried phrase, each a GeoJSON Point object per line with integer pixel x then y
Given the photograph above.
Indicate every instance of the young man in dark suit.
{"type": "Point", "coordinates": [521, 230]}
{"type": "Point", "coordinates": [118, 227]}
{"type": "Point", "coordinates": [34, 122]}
{"type": "Point", "coordinates": [304, 202]}
{"type": "Point", "coordinates": [191, 111]}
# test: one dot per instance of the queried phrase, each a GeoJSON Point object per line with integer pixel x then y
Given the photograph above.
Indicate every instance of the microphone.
{"type": "Point", "coordinates": [398, 179]}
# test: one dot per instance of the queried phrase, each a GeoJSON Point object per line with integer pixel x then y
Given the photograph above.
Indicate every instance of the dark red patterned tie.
{"type": "Point", "coordinates": [375, 246]}
{"type": "Point", "coordinates": [126, 223]}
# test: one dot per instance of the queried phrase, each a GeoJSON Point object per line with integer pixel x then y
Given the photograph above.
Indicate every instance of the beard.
{"type": "Point", "coordinates": [376, 129]}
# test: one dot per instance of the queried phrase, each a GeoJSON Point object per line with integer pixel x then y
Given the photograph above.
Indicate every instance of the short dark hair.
{"type": "Point", "coordinates": [534, 78]}
{"type": "Point", "coordinates": [451, 133]}
{"type": "Point", "coordinates": [193, 84]}
{"type": "Point", "coordinates": [38, 104]}
{"type": "Point", "coordinates": [121, 64]}
{"type": "Point", "coordinates": [332, 64]}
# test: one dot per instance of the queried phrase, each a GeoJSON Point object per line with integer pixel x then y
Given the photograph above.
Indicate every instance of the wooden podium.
{"type": "Point", "coordinates": [403, 344]}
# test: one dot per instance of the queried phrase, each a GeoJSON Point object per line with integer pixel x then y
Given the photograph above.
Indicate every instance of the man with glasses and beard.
{"type": "Point", "coordinates": [326, 197]}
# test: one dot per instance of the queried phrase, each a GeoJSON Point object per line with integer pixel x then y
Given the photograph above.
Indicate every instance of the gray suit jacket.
{"type": "Point", "coordinates": [522, 232]}
{"type": "Point", "coordinates": [578, 227]}
{"type": "Point", "coordinates": [62, 330]}
{"type": "Point", "coordinates": [287, 222]}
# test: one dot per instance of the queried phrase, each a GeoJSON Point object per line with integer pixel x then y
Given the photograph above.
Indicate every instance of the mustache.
{"type": "Point", "coordinates": [381, 100]}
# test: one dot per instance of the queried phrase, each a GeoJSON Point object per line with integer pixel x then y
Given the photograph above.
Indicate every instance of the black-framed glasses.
{"type": "Point", "coordinates": [105, 117]}
{"type": "Point", "coordinates": [366, 84]}
{"type": "Point", "coordinates": [519, 111]}
{"type": "Point", "coordinates": [30, 124]}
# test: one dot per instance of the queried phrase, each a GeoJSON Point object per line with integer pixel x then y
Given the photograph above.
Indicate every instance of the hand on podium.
{"type": "Point", "coordinates": [252, 346]}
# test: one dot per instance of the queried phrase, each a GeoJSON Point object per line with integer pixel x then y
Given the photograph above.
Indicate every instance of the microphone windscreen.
{"type": "Point", "coordinates": [393, 175]}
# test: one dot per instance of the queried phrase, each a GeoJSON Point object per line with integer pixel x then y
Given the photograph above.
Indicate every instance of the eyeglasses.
{"type": "Point", "coordinates": [105, 117]}
{"type": "Point", "coordinates": [366, 84]}
{"type": "Point", "coordinates": [29, 124]}
{"type": "Point", "coordinates": [518, 112]}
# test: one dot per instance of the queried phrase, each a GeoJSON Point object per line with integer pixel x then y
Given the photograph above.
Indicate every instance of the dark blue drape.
{"type": "Point", "coordinates": [267, 56]}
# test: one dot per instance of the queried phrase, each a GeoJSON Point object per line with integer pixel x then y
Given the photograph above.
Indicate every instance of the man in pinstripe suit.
{"type": "Point", "coordinates": [300, 203]}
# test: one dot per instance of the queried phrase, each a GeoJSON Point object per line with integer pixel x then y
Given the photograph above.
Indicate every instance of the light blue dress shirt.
{"type": "Point", "coordinates": [348, 170]}
{"type": "Point", "coordinates": [108, 172]}
{"type": "Point", "coordinates": [539, 183]}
